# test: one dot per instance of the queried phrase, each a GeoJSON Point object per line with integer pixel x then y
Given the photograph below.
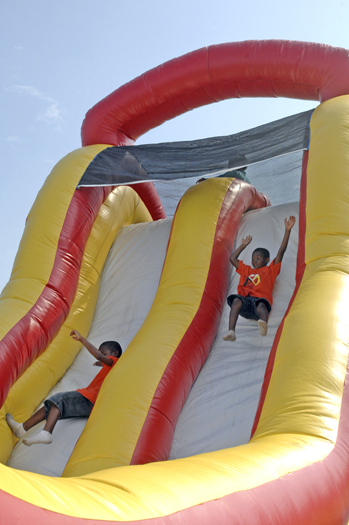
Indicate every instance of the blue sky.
{"type": "Point", "coordinates": [58, 59]}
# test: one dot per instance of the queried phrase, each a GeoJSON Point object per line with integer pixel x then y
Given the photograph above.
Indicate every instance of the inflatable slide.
{"type": "Point", "coordinates": [128, 466]}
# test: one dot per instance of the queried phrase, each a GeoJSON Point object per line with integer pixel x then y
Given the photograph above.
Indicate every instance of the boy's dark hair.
{"type": "Point", "coordinates": [263, 251]}
{"type": "Point", "coordinates": [113, 346]}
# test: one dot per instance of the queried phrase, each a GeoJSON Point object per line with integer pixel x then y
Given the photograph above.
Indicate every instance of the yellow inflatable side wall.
{"type": "Point", "coordinates": [305, 392]}
{"type": "Point", "coordinates": [37, 250]}
{"type": "Point", "coordinates": [122, 207]}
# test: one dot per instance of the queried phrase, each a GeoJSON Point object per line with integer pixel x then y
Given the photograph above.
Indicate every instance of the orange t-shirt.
{"type": "Point", "coordinates": [258, 282]}
{"type": "Point", "coordinates": [91, 391]}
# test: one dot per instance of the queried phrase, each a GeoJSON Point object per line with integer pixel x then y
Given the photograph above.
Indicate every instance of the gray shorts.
{"type": "Point", "coordinates": [249, 305]}
{"type": "Point", "coordinates": [70, 404]}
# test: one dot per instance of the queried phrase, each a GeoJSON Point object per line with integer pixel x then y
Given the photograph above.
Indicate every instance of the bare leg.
{"type": "Point", "coordinates": [234, 313]}
{"type": "Point", "coordinates": [34, 419]}
{"type": "Point", "coordinates": [19, 429]}
{"type": "Point", "coordinates": [45, 436]}
{"type": "Point", "coordinates": [52, 418]}
{"type": "Point", "coordinates": [233, 317]}
{"type": "Point", "coordinates": [263, 318]}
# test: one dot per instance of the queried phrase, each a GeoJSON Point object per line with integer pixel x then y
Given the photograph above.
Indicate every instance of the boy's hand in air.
{"type": "Point", "coordinates": [75, 335]}
{"type": "Point", "coordinates": [246, 241]}
{"type": "Point", "coordinates": [289, 223]}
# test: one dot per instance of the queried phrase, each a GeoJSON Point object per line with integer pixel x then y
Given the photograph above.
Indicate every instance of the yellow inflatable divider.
{"type": "Point", "coordinates": [177, 301]}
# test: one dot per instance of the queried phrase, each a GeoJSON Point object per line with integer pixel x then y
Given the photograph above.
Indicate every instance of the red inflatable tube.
{"type": "Point", "coordinates": [270, 68]}
{"type": "Point", "coordinates": [33, 333]}
{"type": "Point", "coordinates": [149, 195]}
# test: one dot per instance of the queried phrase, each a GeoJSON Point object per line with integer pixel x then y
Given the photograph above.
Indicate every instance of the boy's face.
{"type": "Point", "coordinates": [258, 260]}
{"type": "Point", "coordinates": [107, 351]}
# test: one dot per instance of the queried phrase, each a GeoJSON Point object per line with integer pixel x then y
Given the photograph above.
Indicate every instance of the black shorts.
{"type": "Point", "coordinates": [249, 305]}
{"type": "Point", "coordinates": [70, 404]}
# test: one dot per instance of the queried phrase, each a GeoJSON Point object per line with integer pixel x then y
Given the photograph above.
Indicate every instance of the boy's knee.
{"type": "Point", "coordinates": [262, 309]}
{"type": "Point", "coordinates": [261, 306]}
{"type": "Point", "coordinates": [236, 303]}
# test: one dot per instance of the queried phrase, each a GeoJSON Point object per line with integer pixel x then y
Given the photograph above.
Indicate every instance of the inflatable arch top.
{"type": "Point", "coordinates": [233, 70]}
{"type": "Point", "coordinates": [295, 469]}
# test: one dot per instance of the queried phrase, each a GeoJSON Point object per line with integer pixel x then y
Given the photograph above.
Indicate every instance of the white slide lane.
{"type": "Point", "coordinates": [221, 406]}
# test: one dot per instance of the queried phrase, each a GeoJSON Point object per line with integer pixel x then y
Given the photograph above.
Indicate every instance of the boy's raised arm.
{"type": "Point", "coordinates": [91, 348]}
{"type": "Point", "coordinates": [289, 223]}
{"type": "Point", "coordinates": [234, 256]}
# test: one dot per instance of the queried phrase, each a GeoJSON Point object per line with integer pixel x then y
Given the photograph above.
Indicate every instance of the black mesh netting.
{"type": "Point", "coordinates": [199, 158]}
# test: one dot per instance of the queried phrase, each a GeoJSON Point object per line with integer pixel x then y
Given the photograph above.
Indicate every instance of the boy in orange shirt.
{"type": "Point", "coordinates": [77, 403]}
{"type": "Point", "coordinates": [254, 298]}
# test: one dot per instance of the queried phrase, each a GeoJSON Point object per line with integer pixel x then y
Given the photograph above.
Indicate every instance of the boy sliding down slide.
{"type": "Point", "coordinates": [254, 294]}
{"type": "Point", "coordinates": [78, 403]}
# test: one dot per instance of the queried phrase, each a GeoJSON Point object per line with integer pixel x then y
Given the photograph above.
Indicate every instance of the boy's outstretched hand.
{"type": "Point", "coordinates": [234, 258]}
{"type": "Point", "coordinates": [75, 335]}
{"type": "Point", "coordinates": [246, 241]}
{"type": "Point", "coordinates": [289, 223]}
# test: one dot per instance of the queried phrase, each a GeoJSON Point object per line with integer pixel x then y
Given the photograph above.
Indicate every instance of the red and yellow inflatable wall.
{"type": "Point", "coordinates": [295, 469]}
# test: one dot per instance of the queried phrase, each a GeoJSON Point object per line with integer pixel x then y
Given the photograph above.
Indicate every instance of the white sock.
{"type": "Point", "coordinates": [17, 428]}
{"type": "Point", "coordinates": [263, 327]}
{"type": "Point", "coordinates": [230, 336]}
{"type": "Point", "coordinates": [43, 437]}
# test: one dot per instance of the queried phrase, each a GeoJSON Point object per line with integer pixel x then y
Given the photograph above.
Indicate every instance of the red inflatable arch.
{"type": "Point", "coordinates": [273, 68]}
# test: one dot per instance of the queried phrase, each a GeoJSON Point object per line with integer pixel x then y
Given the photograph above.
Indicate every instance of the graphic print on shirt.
{"type": "Point", "coordinates": [252, 280]}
